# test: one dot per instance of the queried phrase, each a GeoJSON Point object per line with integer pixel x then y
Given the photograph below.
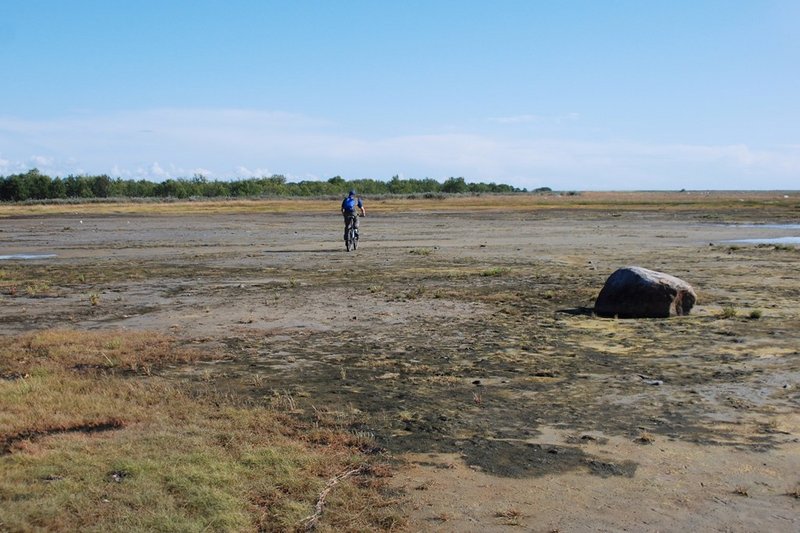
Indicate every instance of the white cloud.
{"type": "Point", "coordinates": [201, 172]}
{"type": "Point", "coordinates": [159, 144]}
{"type": "Point", "coordinates": [40, 161]}
{"type": "Point", "coordinates": [251, 173]}
{"type": "Point", "coordinates": [156, 170]}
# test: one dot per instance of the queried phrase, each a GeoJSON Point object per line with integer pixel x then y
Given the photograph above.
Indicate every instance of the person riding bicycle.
{"type": "Point", "coordinates": [349, 206]}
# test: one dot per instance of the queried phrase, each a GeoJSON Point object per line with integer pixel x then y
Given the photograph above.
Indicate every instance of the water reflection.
{"type": "Point", "coordinates": [766, 226]}
{"type": "Point", "coordinates": [791, 239]}
{"type": "Point", "coordinates": [776, 240]}
{"type": "Point", "coordinates": [26, 256]}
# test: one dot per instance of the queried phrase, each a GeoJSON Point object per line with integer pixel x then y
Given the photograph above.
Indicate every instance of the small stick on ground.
{"type": "Point", "coordinates": [312, 520]}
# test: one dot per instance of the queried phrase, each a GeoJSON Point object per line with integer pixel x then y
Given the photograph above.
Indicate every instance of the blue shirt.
{"type": "Point", "coordinates": [349, 204]}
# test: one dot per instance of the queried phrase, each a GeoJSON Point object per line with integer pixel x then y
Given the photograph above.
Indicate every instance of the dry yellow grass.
{"type": "Point", "coordinates": [519, 202]}
{"type": "Point", "coordinates": [61, 348]}
{"type": "Point", "coordinates": [100, 450]}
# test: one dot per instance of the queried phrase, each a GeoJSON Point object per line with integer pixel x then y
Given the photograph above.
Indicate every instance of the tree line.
{"type": "Point", "coordinates": [33, 185]}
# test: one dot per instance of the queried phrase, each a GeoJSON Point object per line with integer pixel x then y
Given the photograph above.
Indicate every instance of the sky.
{"type": "Point", "coordinates": [571, 95]}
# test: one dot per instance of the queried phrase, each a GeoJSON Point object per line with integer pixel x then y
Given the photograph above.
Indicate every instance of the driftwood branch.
{"type": "Point", "coordinates": [310, 522]}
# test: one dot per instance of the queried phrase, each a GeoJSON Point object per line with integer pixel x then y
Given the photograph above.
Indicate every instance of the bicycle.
{"type": "Point", "coordinates": [351, 234]}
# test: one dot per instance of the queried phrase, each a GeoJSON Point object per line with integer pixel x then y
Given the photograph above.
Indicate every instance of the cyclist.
{"type": "Point", "coordinates": [349, 206]}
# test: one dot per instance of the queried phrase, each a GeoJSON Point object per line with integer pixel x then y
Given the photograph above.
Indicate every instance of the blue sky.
{"type": "Point", "coordinates": [586, 95]}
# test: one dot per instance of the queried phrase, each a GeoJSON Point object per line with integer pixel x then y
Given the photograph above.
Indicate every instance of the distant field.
{"type": "Point", "coordinates": [783, 203]}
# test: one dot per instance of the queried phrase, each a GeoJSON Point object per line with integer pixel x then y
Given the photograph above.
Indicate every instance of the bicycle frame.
{"type": "Point", "coordinates": [351, 233]}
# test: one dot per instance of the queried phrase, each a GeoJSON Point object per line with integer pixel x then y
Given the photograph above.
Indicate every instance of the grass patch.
{"type": "Point", "coordinates": [59, 349]}
{"type": "Point", "coordinates": [495, 271]}
{"type": "Point", "coordinates": [38, 288]}
{"type": "Point", "coordinates": [728, 311]}
{"type": "Point", "coordinates": [511, 516]}
{"type": "Point", "coordinates": [645, 437]}
{"type": "Point", "coordinates": [104, 450]}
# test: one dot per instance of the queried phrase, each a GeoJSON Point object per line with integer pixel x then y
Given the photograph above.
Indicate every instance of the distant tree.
{"type": "Point", "coordinates": [215, 189]}
{"type": "Point", "coordinates": [338, 181]}
{"type": "Point", "coordinates": [172, 188]}
{"type": "Point", "coordinates": [78, 186]}
{"type": "Point", "coordinates": [274, 185]}
{"type": "Point", "coordinates": [38, 185]}
{"type": "Point", "coordinates": [57, 189]}
{"type": "Point", "coordinates": [35, 185]}
{"type": "Point", "coordinates": [479, 187]}
{"type": "Point", "coordinates": [138, 189]}
{"type": "Point", "coordinates": [101, 186]}
{"type": "Point", "coordinates": [429, 185]}
{"type": "Point", "coordinates": [247, 187]}
{"type": "Point", "coordinates": [455, 185]}
{"type": "Point", "coordinates": [398, 186]}
{"type": "Point", "coordinates": [369, 186]}
{"type": "Point", "coordinates": [14, 188]}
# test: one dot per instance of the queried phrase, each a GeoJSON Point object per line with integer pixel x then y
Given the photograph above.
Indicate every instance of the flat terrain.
{"type": "Point", "coordinates": [460, 338]}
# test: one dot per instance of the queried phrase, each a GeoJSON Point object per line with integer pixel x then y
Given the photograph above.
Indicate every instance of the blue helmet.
{"type": "Point", "coordinates": [352, 192]}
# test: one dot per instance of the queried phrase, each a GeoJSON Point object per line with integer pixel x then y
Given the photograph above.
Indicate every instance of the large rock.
{"type": "Point", "coordinates": [636, 292]}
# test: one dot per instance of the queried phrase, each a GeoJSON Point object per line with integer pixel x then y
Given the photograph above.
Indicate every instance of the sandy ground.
{"type": "Point", "coordinates": [463, 343]}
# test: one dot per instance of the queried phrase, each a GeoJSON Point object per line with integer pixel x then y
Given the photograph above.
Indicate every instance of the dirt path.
{"type": "Point", "coordinates": [463, 344]}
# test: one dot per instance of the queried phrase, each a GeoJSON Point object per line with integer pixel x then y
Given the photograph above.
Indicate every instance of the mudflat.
{"type": "Point", "coordinates": [460, 337]}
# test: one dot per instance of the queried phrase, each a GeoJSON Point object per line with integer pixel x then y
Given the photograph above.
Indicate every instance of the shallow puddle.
{"type": "Point", "coordinates": [776, 240]}
{"type": "Point", "coordinates": [790, 239]}
{"type": "Point", "coordinates": [24, 257]}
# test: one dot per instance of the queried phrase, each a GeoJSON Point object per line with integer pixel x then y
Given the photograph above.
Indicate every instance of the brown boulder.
{"type": "Point", "coordinates": [636, 292]}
